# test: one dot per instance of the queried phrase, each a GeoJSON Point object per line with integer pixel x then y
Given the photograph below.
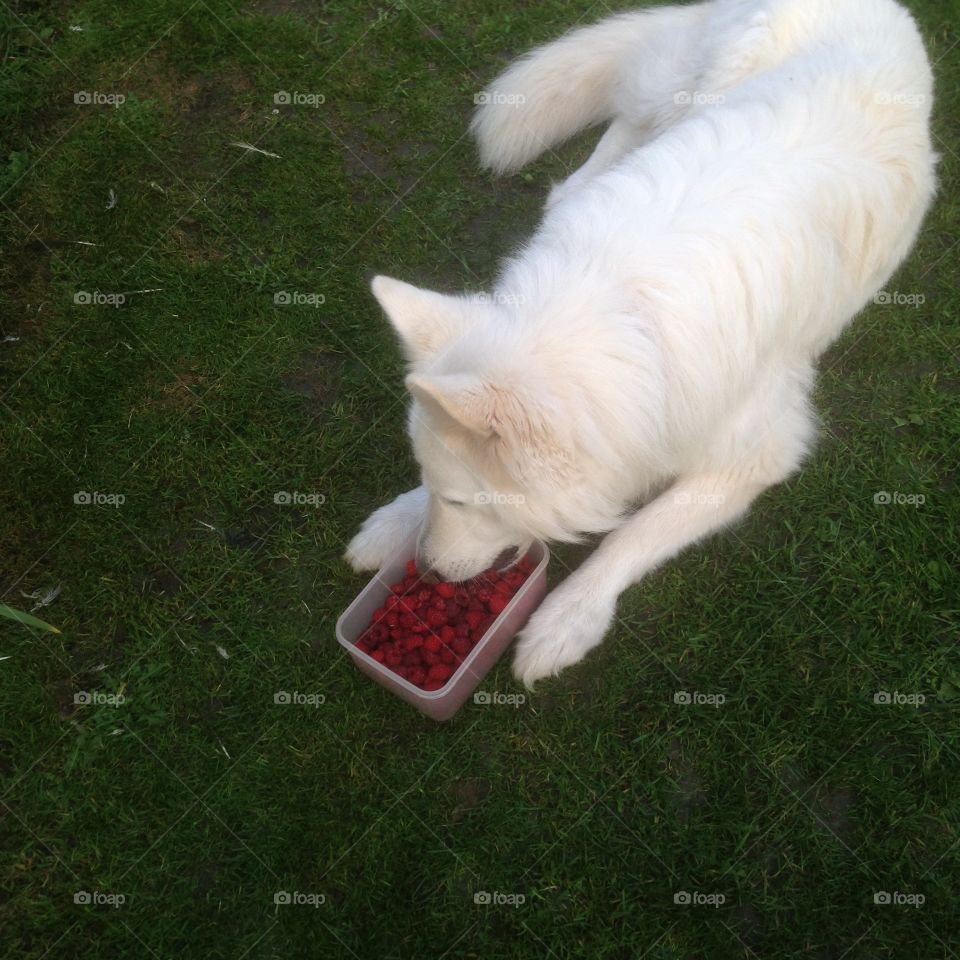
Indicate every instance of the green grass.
{"type": "Point", "coordinates": [183, 788]}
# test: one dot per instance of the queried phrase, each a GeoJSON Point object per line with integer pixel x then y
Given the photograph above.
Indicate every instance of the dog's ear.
{"type": "Point", "coordinates": [461, 396]}
{"type": "Point", "coordinates": [528, 431]}
{"type": "Point", "coordinates": [425, 321]}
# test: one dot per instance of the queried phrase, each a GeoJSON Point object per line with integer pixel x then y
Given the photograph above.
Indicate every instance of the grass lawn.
{"type": "Point", "coordinates": [146, 362]}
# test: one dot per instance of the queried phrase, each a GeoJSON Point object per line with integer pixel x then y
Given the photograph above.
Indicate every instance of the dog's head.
{"type": "Point", "coordinates": [489, 432]}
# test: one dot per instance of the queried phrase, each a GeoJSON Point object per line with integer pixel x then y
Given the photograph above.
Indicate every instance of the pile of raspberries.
{"type": "Point", "coordinates": [424, 631]}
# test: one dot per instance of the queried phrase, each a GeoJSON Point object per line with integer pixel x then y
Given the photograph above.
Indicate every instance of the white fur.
{"type": "Point", "coordinates": [766, 169]}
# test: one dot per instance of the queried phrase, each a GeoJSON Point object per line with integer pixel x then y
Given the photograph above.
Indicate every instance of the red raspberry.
{"type": "Point", "coordinates": [462, 629]}
{"type": "Point", "coordinates": [452, 610]}
{"type": "Point", "coordinates": [411, 568]}
{"type": "Point", "coordinates": [433, 684]}
{"type": "Point", "coordinates": [439, 671]}
{"type": "Point", "coordinates": [378, 655]}
{"type": "Point", "coordinates": [473, 618]}
{"type": "Point", "coordinates": [447, 655]}
{"type": "Point", "coordinates": [378, 614]}
{"type": "Point", "coordinates": [432, 643]}
{"type": "Point", "coordinates": [417, 675]}
{"type": "Point", "coordinates": [498, 603]}
{"type": "Point", "coordinates": [435, 618]}
{"type": "Point", "coordinates": [461, 647]}
{"type": "Point", "coordinates": [445, 590]}
{"type": "Point", "coordinates": [447, 634]}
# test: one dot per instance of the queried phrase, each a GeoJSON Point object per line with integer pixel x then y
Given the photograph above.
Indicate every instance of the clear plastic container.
{"type": "Point", "coordinates": [443, 703]}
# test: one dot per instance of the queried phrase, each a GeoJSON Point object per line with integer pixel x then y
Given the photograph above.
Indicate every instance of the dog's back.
{"type": "Point", "coordinates": [770, 162]}
{"type": "Point", "coordinates": [654, 66]}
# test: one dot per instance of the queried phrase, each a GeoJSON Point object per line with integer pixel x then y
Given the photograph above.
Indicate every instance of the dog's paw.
{"type": "Point", "coordinates": [385, 530]}
{"type": "Point", "coordinates": [567, 626]}
{"type": "Point", "coordinates": [368, 550]}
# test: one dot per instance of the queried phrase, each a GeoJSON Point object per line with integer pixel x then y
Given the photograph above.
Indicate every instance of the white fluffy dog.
{"type": "Point", "coordinates": [643, 367]}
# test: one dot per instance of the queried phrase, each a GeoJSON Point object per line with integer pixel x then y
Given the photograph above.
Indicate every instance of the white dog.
{"type": "Point", "coordinates": [644, 364]}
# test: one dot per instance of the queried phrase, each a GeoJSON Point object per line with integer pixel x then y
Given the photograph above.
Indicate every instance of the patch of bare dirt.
{"type": "Point", "coordinates": [316, 379]}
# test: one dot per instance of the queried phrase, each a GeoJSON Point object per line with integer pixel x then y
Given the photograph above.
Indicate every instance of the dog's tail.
{"type": "Point", "coordinates": [563, 87]}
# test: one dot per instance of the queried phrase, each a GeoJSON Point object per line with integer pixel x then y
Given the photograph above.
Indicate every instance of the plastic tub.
{"type": "Point", "coordinates": [443, 703]}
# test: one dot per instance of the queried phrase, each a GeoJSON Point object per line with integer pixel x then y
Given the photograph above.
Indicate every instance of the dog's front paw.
{"type": "Point", "coordinates": [385, 530]}
{"type": "Point", "coordinates": [368, 550]}
{"type": "Point", "coordinates": [569, 624]}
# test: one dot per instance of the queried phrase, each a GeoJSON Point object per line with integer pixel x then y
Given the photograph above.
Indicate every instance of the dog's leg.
{"type": "Point", "coordinates": [763, 442]}
{"type": "Point", "coordinates": [618, 139]}
{"type": "Point", "coordinates": [385, 529]}
{"type": "Point", "coordinates": [575, 616]}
